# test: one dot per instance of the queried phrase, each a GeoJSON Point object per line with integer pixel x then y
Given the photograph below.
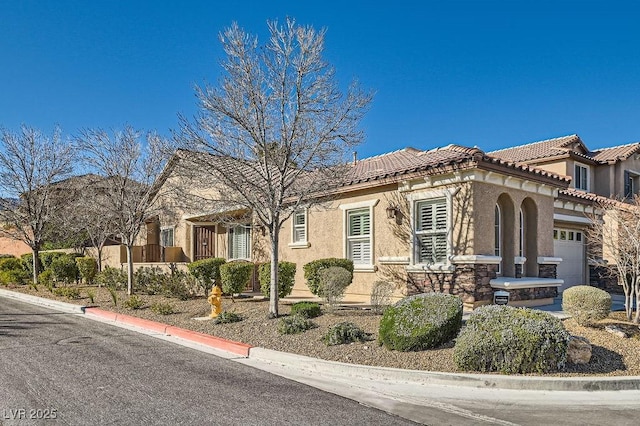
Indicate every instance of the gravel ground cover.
{"type": "Point", "coordinates": [612, 355]}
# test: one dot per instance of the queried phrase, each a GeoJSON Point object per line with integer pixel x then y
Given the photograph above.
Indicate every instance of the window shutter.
{"type": "Point", "coordinates": [359, 224]}
{"type": "Point", "coordinates": [299, 227]}
{"type": "Point", "coordinates": [239, 242]}
{"type": "Point", "coordinates": [431, 231]}
{"type": "Point", "coordinates": [359, 236]}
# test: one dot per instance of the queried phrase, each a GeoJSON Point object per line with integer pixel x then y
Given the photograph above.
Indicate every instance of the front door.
{"type": "Point", "coordinates": [204, 242]}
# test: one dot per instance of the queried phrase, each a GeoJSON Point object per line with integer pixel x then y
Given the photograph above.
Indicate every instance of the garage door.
{"type": "Point", "coordinates": [568, 244]}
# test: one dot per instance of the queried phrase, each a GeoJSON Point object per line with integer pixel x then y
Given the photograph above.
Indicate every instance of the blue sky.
{"type": "Point", "coordinates": [486, 73]}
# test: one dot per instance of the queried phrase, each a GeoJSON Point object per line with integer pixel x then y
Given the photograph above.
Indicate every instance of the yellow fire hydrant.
{"type": "Point", "coordinates": [215, 299]}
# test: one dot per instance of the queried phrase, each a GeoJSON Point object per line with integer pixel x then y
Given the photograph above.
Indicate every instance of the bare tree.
{"type": "Point", "coordinates": [85, 221]}
{"type": "Point", "coordinates": [617, 238]}
{"type": "Point", "coordinates": [277, 117]}
{"type": "Point", "coordinates": [131, 170]}
{"type": "Point", "coordinates": [30, 164]}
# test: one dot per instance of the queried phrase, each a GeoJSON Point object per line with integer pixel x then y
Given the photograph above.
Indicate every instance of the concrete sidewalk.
{"type": "Point", "coordinates": [292, 365]}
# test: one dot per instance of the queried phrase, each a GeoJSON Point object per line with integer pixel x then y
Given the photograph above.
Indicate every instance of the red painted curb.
{"type": "Point", "coordinates": [158, 327]}
{"type": "Point", "coordinates": [209, 340]}
{"type": "Point", "coordinates": [102, 314]}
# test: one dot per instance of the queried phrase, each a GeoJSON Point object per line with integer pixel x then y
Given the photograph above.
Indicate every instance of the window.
{"type": "Point", "coordinates": [359, 236]}
{"type": "Point", "coordinates": [431, 231]}
{"type": "Point", "coordinates": [299, 234]}
{"type": "Point", "coordinates": [166, 237]}
{"type": "Point", "coordinates": [239, 242]}
{"type": "Point", "coordinates": [630, 184]}
{"type": "Point", "coordinates": [567, 235]}
{"type": "Point", "coordinates": [521, 234]}
{"type": "Point", "coordinates": [581, 177]}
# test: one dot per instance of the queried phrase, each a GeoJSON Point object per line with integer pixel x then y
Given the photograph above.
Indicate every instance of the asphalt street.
{"type": "Point", "coordinates": [60, 363]}
{"type": "Point", "coordinates": [60, 368]}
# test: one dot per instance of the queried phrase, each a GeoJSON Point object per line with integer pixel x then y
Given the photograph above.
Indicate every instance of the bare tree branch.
{"type": "Point", "coordinates": [30, 164]}
{"type": "Point", "coordinates": [277, 128]}
{"type": "Point", "coordinates": [131, 170]}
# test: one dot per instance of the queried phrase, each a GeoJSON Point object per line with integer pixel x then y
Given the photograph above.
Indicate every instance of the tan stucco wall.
{"type": "Point", "coordinates": [486, 196]}
{"type": "Point", "coordinates": [563, 167]}
{"type": "Point", "coordinates": [325, 225]}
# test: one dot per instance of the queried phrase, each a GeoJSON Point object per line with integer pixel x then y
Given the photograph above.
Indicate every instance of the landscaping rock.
{"type": "Point", "coordinates": [616, 331]}
{"type": "Point", "coordinates": [579, 350]}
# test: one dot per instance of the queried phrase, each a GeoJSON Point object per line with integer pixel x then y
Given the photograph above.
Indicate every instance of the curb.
{"type": "Point", "coordinates": [214, 342]}
{"type": "Point", "coordinates": [35, 300]}
{"type": "Point", "coordinates": [486, 381]}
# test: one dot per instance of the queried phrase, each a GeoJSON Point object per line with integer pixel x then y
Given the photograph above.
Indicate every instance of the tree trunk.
{"type": "Point", "coordinates": [99, 249]}
{"type": "Point", "coordinates": [36, 263]}
{"type": "Point", "coordinates": [273, 291]}
{"type": "Point", "coordinates": [635, 290]}
{"type": "Point", "coordinates": [129, 270]}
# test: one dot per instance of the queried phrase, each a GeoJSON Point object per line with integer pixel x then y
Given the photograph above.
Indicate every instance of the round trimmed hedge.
{"type": "Point", "coordinates": [235, 276]}
{"type": "Point", "coordinates": [286, 278]}
{"type": "Point", "coordinates": [500, 338]}
{"type": "Point", "coordinates": [586, 305]}
{"type": "Point", "coordinates": [420, 322]}
{"type": "Point", "coordinates": [313, 268]}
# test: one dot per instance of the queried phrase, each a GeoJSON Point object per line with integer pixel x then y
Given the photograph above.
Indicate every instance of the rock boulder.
{"type": "Point", "coordinates": [579, 350]}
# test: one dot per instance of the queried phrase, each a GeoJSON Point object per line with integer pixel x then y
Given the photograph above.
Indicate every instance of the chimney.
{"type": "Point", "coordinates": [355, 157]}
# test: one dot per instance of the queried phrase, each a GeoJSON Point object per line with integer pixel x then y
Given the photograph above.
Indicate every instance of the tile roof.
{"type": "Point", "coordinates": [408, 160]}
{"type": "Point", "coordinates": [537, 150]}
{"type": "Point", "coordinates": [620, 152]}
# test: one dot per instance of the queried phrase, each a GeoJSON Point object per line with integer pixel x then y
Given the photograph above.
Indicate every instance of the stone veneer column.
{"type": "Point", "coordinates": [548, 266]}
{"type": "Point", "coordinates": [473, 276]}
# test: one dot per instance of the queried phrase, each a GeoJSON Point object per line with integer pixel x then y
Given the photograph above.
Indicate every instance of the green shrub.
{"type": "Point", "coordinates": [179, 284]}
{"type": "Point", "coordinates": [286, 278]}
{"type": "Point", "coordinates": [14, 277]}
{"type": "Point", "coordinates": [11, 264]}
{"type": "Point", "coordinates": [206, 271]}
{"type": "Point", "coordinates": [227, 317]}
{"type": "Point", "coordinates": [88, 268]}
{"type": "Point", "coordinates": [27, 262]}
{"type": "Point", "coordinates": [64, 268]}
{"type": "Point", "coordinates": [46, 278]}
{"type": "Point", "coordinates": [312, 268]}
{"type": "Point", "coordinates": [133, 302]}
{"type": "Point", "coordinates": [420, 322]}
{"type": "Point", "coordinates": [12, 271]}
{"type": "Point", "coordinates": [343, 333]}
{"type": "Point", "coordinates": [306, 309]}
{"type": "Point", "coordinates": [586, 305]}
{"type": "Point", "coordinates": [500, 338]}
{"type": "Point", "coordinates": [91, 295]}
{"type": "Point", "coordinates": [334, 280]}
{"type": "Point", "coordinates": [149, 280]}
{"type": "Point", "coordinates": [68, 292]}
{"type": "Point", "coordinates": [235, 276]}
{"type": "Point", "coordinates": [162, 308]}
{"type": "Point", "coordinates": [113, 278]}
{"type": "Point", "coordinates": [381, 292]}
{"type": "Point", "coordinates": [294, 324]}
{"type": "Point", "coordinates": [47, 258]}
{"type": "Point", "coordinates": [114, 295]}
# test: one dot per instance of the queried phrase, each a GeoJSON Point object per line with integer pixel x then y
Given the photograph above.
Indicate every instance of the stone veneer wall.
{"type": "Point", "coordinates": [532, 293]}
{"type": "Point", "coordinates": [472, 283]}
{"type": "Point", "coordinates": [469, 281]}
{"type": "Point", "coordinates": [547, 271]}
{"type": "Point", "coordinates": [600, 276]}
